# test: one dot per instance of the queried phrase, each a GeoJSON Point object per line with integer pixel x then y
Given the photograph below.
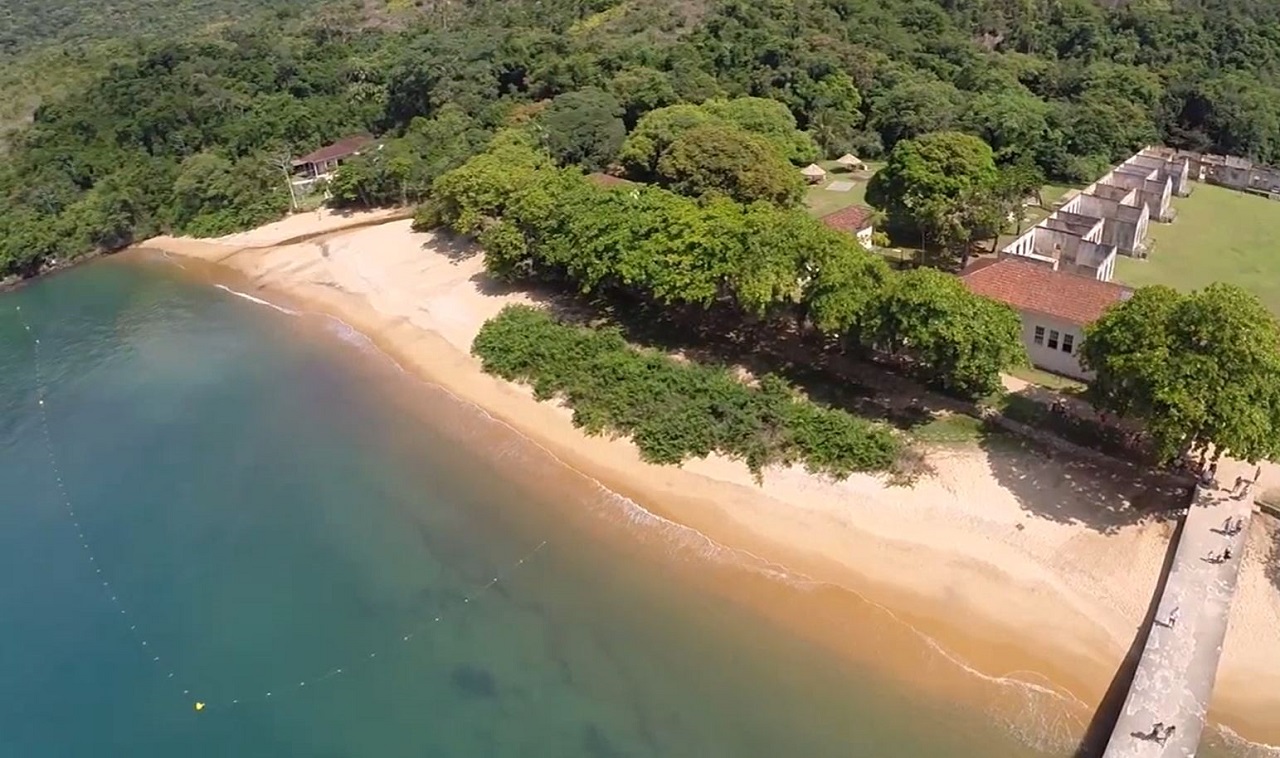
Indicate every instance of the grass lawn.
{"type": "Point", "coordinates": [1046, 379]}
{"type": "Point", "coordinates": [822, 201]}
{"type": "Point", "coordinates": [1220, 235]}
{"type": "Point", "coordinates": [950, 429]}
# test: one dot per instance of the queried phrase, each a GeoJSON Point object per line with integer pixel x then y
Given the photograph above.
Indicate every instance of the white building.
{"type": "Point", "coordinates": [1055, 306]}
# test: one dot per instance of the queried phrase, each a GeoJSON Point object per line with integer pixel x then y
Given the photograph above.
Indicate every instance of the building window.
{"type": "Point", "coordinates": [1039, 338]}
{"type": "Point", "coordinates": [1053, 339]}
{"type": "Point", "coordinates": [1068, 342]}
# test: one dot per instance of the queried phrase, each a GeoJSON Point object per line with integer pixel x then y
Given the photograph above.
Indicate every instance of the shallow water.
{"type": "Point", "coordinates": [340, 561]}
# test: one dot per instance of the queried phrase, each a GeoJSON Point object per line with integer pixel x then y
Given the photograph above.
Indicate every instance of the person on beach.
{"type": "Point", "coordinates": [1226, 525]}
{"type": "Point", "coordinates": [1226, 555]}
{"type": "Point", "coordinates": [1173, 616]}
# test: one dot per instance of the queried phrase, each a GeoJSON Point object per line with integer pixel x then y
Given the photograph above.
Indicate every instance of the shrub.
{"type": "Point", "coordinates": [673, 410]}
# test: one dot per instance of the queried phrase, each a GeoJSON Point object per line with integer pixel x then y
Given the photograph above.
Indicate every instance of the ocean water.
{"type": "Point", "coordinates": [223, 503]}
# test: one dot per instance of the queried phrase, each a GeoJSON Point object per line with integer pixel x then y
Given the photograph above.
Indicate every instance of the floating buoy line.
{"type": "Point", "coordinates": [161, 664]}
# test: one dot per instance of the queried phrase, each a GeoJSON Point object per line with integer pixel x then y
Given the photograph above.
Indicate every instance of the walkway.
{"type": "Point", "coordinates": [1175, 676]}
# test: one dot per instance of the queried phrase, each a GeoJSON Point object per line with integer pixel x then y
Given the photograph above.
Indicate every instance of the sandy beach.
{"type": "Point", "coordinates": [1019, 565]}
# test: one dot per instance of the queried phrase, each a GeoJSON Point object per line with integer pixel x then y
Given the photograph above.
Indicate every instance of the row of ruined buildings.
{"type": "Point", "coordinates": [1110, 217]}
{"type": "Point", "coordinates": [1057, 274]}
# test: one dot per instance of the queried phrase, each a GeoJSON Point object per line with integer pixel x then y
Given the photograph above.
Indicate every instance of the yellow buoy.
{"type": "Point", "coordinates": [199, 706]}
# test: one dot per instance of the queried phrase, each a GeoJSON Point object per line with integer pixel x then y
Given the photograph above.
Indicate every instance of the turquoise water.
{"type": "Point", "coordinates": [275, 511]}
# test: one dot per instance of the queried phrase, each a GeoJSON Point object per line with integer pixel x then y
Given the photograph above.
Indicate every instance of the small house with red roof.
{"type": "Point", "coordinates": [1055, 307]}
{"type": "Point", "coordinates": [319, 164]}
{"type": "Point", "coordinates": [855, 220]}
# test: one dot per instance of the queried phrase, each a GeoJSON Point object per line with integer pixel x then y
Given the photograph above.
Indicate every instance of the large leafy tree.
{"type": "Point", "coordinates": [654, 134]}
{"type": "Point", "coordinates": [932, 185]}
{"type": "Point", "coordinates": [769, 120]}
{"type": "Point", "coordinates": [583, 128]}
{"type": "Point", "coordinates": [641, 89]}
{"type": "Point", "coordinates": [913, 106]}
{"type": "Point", "coordinates": [402, 169]}
{"type": "Point", "coordinates": [954, 338]}
{"type": "Point", "coordinates": [717, 159]}
{"type": "Point", "coordinates": [1200, 370]}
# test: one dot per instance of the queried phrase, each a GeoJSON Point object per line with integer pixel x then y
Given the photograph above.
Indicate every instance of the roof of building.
{"type": "Point", "coordinates": [853, 219]}
{"type": "Point", "coordinates": [813, 169]}
{"type": "Point", "coordinates": [340, 149]}
{"type": "Point", "coordinates": [601, 179]}
{"type": "Point", "coordinates": [1033, 287]}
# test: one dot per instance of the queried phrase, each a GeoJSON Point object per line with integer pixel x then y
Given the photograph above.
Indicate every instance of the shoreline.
{"type": "Point", "coordinates": [968, 558]}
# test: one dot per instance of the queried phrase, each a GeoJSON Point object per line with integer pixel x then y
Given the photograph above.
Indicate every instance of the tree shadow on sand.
{"type": "Point", "coordinates": [1104, 496]}
{"type": "Point", "coordinates": [810, 363]}
{"type": "Point", "coordinates": [453, 247]}
{"type": "Point", "coordinates": [564, 306]}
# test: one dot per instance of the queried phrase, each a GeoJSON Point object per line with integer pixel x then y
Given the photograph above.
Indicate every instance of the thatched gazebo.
{"type": "Point", "coordinates": [851, 162]}
{"type": "Point", "coordinates": [813, 173]}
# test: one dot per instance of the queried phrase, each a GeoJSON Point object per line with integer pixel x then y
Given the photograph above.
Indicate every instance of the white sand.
{"type": "Point", "coordinates": [1003, 555]}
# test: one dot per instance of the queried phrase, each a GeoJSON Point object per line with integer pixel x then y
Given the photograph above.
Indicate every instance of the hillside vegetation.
{"type": "Point", "coordinates": [26, 26]}
{"type": "Point", "coordinates": [181, 132]}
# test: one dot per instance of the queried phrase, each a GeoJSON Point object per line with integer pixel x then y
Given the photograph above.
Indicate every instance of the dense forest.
{"type": "Point", "coordinates": [26, 26]}
{"type": "Point", "coordinates": [182, 134]}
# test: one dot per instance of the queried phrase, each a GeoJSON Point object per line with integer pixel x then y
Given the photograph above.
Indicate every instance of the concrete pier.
{"type": "Point", "coordinates": [1175, 677]}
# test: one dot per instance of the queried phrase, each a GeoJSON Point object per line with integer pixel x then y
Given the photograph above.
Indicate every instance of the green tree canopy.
{"type": "Point", "coordinates": [718, 159]}
{"type": "Point", "coordinates": [536, 220]}
{"type": "Point", "coordinates": [955, 339]}
{"type": "Point", "coordinates": [929, 184]}
{"type": "Point", "coordinates": [1199, 370]}
{"type": "Point", "coordinates": [655, 132]}
{"type": "Point", "coordinates": [658, 130]}
{"type": "Point", "coordinates": [584, 128]}
{"type": "Point", "coordinates": [769, 119]}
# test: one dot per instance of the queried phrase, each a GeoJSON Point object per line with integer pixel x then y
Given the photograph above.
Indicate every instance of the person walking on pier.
{"type": "Point", "coordinates": [1173, 617]}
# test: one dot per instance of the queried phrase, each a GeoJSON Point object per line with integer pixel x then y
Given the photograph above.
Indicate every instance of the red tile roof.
{"type": "Point", "coordinates": [853, 219]}
{"type": "Point", "coordinates": [340, 149]}
{"type": "Point", "coordinates": [608, 180]}
{"type": "Point", "coordinates": [1032, 287]}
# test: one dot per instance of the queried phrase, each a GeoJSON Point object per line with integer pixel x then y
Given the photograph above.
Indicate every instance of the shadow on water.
{"type": "Point", "coordinates": [1105, 717]}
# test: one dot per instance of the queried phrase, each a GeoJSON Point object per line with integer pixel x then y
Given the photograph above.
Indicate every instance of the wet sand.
{"type": "Point", "coordinates": [1026, 576]}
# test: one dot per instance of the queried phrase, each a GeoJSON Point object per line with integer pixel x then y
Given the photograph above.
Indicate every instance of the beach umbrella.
{"type": "Point", "coordinates": [851, 162]}
{"type": "Point", "coordinates": [813, 172]}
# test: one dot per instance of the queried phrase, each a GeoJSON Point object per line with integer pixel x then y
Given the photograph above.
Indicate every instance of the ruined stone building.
{"type": "Point", "coordinates": [1225, 170]}
{"type": "Point", "coordinates": [1108, 218]}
